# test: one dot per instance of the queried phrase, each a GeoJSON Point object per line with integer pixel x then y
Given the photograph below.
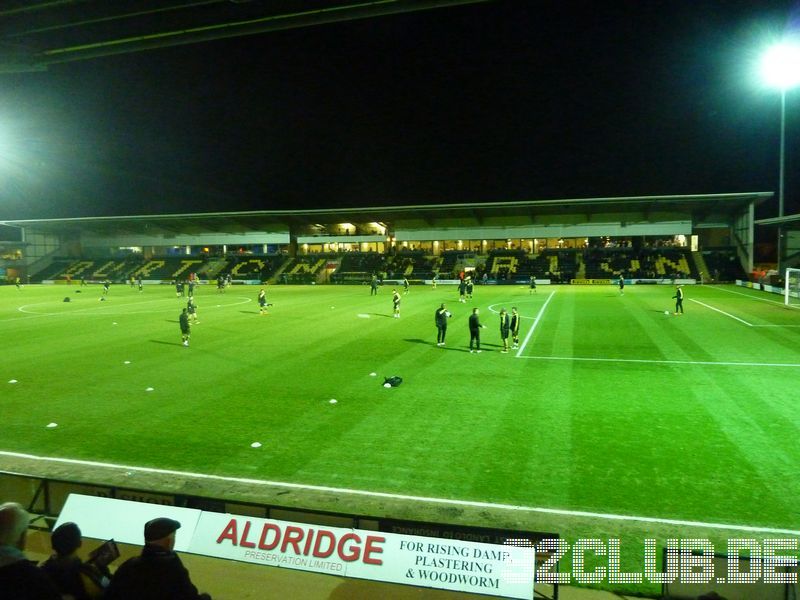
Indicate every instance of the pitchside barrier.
{"type": "Point", "coordinates": [446, 558]}
{"type": "Point", "coordinates": [634, 281]}
{"type": "Point", "coordinates": [734, 578]}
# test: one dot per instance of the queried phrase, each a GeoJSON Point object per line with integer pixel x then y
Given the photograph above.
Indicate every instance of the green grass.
{"type": "Point", "coordinates": [692, 439]}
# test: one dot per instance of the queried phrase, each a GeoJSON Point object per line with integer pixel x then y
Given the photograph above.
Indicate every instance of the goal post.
{"type": "Point", "coordinates": [791, 289]}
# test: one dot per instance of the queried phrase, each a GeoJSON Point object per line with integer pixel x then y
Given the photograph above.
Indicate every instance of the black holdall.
{"type": "Point", "coordinates": [393, 381]}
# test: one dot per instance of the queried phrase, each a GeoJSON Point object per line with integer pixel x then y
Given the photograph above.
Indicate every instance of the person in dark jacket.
{"type": "Point", "coordinates": [440, 318]}
{"type": "Point", "coordinates": [475, 331]}
{"type": "Point", "coordinates": [157, 573]}
{"type": "Point", "coordinates": [515, 323]}
{"type": "Point", "coordinates": [505, 329]}
{"type": "Point", "coordinates": [67, 571]}
{"type": "Point", "coordinates": [20, 579]}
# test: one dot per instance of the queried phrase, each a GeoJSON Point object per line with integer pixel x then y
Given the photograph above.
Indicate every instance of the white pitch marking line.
{"type": "Point", "coordinates": [535, 323]}
{"type": "Point", "coordinates": [721, 312]}
{"type": "Point", "coordinates": [751, 297]}
{"type": "Point", "coordinates": [470, 503]}
{"type": "Point", "coordinates": [665, 362]}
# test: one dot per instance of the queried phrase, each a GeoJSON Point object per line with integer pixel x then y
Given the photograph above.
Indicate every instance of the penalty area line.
{"type": "Point", "coordinates": [722, 312]}
{"type": "Point", "coordinates": [752, 297]}
{"type": "Point", "coordinates": [424, 499]}
{"type": "Point", "coordinates": [664, 362]}
{"type": "Point", "coordinates": [535, 323]}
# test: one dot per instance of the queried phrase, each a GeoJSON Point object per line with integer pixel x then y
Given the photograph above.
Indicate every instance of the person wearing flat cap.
{"type": "Point", "coordinates": [157, 573]}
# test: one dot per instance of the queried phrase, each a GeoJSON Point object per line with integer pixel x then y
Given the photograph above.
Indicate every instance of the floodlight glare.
{"type": "Point", "coordinates": [780, 65]}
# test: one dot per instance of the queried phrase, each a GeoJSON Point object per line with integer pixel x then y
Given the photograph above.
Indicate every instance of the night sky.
{"type": "Point", "coordinates": [510, 100]}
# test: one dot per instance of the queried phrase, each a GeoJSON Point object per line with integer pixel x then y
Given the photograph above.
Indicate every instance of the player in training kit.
{"type": "Point", "coordinates": [178, 289]}
{"type": "Point", "coordinates": [396, 303]}
{"type": "Point", "coordinates": [621, 285]}
{"type": "Point", "coordinates": [139, 282]}
{"type": "Point", "coordinates": [433, 281]}
{"type": "Point", "coordinates": [533, 286]}
{"type": "Point", "coordinates": [462, 289]}
{"type": "Point", "coordinates": [514, 325]}
{"type": "Point", "coordinates": [475, 331]}
{"type": "Point", "coordinates": [405, 285]}
{"type": "Point", "coordinates": [440, 318]}
{"type": "Point", "coordinates": [183, 319]}
{"type": "Point", "coordinates": [470, 284]}
{"type": "Point", "coordinates": [262, 302]}
{"type": "Point", "coordinates": [505, 329]}
{"type": "Point", "coordinates": [191, 288]}
{"type": "Point", "coordinates": [373, 286]}
{"type": "Point", "coordinates": [678, 300]}
{"type": "Point", "coordinates": [17, 283]}
{"type": "Point", "coordinates": [106, 285]}
{"type": "Point", "coordinates": [191, 308]}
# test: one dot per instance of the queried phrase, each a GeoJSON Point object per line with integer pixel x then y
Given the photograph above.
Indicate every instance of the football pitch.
{"type": "Point", "coordinates": [610, 407]}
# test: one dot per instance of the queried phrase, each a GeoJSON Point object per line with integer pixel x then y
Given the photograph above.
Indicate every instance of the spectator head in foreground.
{"type": "Point", "coordinates": [161, 532]}
{"type": "Point", "coordinates": [66, 539]}
{"type": "Point", "coordinates": [14, 521]}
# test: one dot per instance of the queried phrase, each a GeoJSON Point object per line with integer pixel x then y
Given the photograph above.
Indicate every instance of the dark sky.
{"type": "Point", "coordinates": [510, 100]}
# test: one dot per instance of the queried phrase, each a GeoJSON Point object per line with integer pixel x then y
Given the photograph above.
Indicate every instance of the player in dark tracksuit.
{"type": "Point", "coordinates": [621, 285]}
{"type": "Point", "coordinates": [183, 319]}
{"type": "Point", "coordinates": [475, 331]}
{"type": "Point", "coordinates": [396, 304]}
{"type": "Point", "coordinates": [373, 286]}
{"type": "Point", "coordinates": [191, 308]}
{"type": "Point", "coordinates": [515, 323]}
{"type": "Point", "coordinates": [505, 329]}
{"type": "Point", "coordinates": [679, 300]}
{"type": "Point", "coordinates": [440, 318]}
{"type": "Point", "coordinates": [262, 302]}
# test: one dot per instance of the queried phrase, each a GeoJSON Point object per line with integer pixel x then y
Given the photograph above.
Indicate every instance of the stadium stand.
{"type": "Point", "coordinates": [304, 269]}
{"type": "Point", "coordinates": [645, 263]}
{"type": "Point", "coordinates": [723, 264]}
{"type": "Point", "coordinates": [251, 267]}
{"type": "Point", "coordinates": [504, 264]}
{"type": "Point", "coordinates": [359, 267]}
{"type": "Point", "coordinates": [413, 264]}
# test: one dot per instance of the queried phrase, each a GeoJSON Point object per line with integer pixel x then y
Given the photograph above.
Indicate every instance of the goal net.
{"type": "Point", "coordinates": [791, 289]}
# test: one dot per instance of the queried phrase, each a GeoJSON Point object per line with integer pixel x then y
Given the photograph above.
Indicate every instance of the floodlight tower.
{"type": "Point", "coordinates": [780, 68]}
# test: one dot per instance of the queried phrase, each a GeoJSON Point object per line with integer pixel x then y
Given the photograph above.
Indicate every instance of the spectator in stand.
{"type": "Point", "coordinates": [72, 576]}
{"type": "Point", "coordinates": [20, 579]}
{"type": "Point", "coordinates": [157, 573]}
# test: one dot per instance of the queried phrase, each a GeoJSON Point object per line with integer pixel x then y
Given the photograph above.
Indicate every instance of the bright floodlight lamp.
{"type": "Point", "coordinates": [780, 65]}
{"type": "Point", "coordinates": [780, 68]}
